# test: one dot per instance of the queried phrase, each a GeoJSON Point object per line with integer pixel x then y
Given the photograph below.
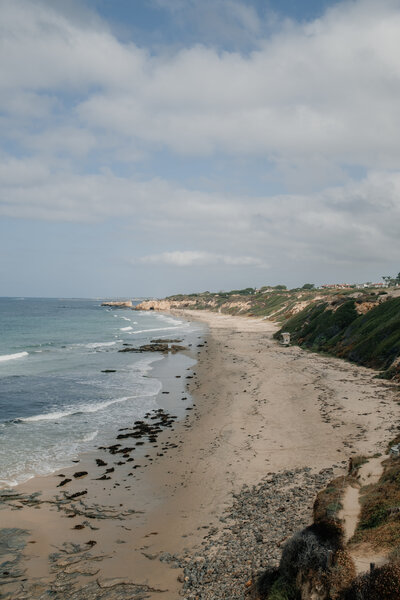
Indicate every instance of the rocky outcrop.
{"type": "Point", "coordinates": [118, 303]}
{"type": "Point", "coordinates": [363, 307]}
{"type": "Point", "coordinates": [155, 347]}
{"type": "Point", "coordinates": [237, 306]}
{"type": "Point", "coordinates": [164, 304]}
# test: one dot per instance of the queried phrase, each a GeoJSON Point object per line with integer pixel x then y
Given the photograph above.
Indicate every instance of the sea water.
{"type": "Point", "coordinates": [56, 401]}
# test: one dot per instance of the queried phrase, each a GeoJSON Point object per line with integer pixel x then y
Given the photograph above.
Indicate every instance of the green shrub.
{"type": "Point", "coordinates": [304, 552]}
{"type": "Point", "coordinates": [283, 590]}
{"type": "Point", "coordinates": [374, 517]}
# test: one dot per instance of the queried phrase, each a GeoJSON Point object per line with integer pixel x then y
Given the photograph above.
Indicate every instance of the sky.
{"type": "Point", "coordinates": [153, 147]}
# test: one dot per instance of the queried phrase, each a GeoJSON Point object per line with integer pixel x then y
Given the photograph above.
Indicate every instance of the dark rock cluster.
{"type": "Point", "coordinates": [141, 431]}
{"type": "Point", "coordinates": [163, 347]}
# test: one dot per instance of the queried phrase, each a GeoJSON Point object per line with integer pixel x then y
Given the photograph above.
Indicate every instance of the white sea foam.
{"type": "Point", "coordinates": [90, 436]}
{"type": "Point", "coordinates": [168, 319]}
{"type": "Point", "coordinates": [84, 408]}
{"type": "Point", "coordinates": [126, 328]}
{"type": "Point", "coordinates": [46, 417]}
{"type": "Point", "coordinates": [5, 357]}
{"type": "Point", "coordinates": [74, 410]}
{"type": "Point", "coordinates": [125, 319]}
{"type": "Point", "coordinates": [143, 366]}
{"type": "Point", "coordinates": [99, 344]}
{"type": "Point", "coordinates": [14, 482]}
{"type": "Point", "coordinates": [158, 329]}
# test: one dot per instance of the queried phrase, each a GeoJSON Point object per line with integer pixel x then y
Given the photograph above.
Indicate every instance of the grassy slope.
{"type": "Point", "coordinates": [371, 339]}
{"type": "Point", "coordinates": [379, 523]}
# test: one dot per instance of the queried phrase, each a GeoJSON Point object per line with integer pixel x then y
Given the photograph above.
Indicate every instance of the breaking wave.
{"type": "Point", "coordinates": [5, 357]}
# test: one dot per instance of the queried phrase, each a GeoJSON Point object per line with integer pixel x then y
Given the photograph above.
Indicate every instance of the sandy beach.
{"type": "Point", "coordinates": [260, 410]}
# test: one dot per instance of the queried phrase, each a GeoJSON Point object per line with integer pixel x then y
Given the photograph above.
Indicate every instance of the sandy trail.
{"type": "Point", "coordinates": [350, 511]}
{"type": "Point", "coordinates": [369, 473]}
{"type": "Point", "coordinates": [259, 408]}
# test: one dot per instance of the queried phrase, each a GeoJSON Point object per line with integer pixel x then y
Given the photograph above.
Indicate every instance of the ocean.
{"type": "Point", "coordinates": [56, 401]}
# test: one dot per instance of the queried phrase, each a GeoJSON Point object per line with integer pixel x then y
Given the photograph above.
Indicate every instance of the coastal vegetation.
{"type": "Point", "coordinates": [317, 563]}
{"type": "Point", "coordinates": [379, 524]}
{"type": "Point", "coordinates": [363, 330]}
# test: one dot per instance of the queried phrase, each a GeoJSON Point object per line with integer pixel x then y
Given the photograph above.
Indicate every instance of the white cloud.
{"type": "Point", "coordinates": [316, 99]}
{"type": "Point", "coordinates": [43, 49]}
{"type": "Point", "coordinates": [329, 90]}
{"type": "Point", "coordinates": [187, 258]}
{"type": "Point", "coordinates": [326, 89]}
{"type": "Point", "coordinates": [348, 224]}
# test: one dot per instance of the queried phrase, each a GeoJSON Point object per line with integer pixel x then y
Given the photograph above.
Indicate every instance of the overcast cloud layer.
{"type": "Point", "coordinates": [195, 165]}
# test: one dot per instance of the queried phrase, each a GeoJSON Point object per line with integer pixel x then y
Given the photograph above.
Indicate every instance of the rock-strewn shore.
{"type": "Point", "coordinates": [250, 536]}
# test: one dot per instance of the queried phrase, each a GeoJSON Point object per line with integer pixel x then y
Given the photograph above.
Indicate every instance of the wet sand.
{"type": "Point", "coordinates": [258, 408]}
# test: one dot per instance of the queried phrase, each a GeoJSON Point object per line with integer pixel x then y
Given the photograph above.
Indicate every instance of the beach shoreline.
{"type": "Point", "coordinates": [259, 410]}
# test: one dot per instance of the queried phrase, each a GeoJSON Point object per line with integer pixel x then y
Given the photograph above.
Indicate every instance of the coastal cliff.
{"type": "Point", "coordinates": [275, 304]}
{"type": "Point", "coordinates": [161, 305]}
{"type": "Point", "coordinates": [360, 326]}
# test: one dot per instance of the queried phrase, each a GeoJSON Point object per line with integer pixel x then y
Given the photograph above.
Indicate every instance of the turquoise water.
{"type": "Point", "coordinates": [55, 401]}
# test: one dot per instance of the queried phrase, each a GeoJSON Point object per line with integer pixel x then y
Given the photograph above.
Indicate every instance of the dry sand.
{"type": "Point", "coordinates": [259, 407]}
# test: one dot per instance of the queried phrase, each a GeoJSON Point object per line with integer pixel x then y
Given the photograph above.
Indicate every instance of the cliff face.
{"type": "Point", "coordinates": [275, 305]}
{"type": "Point", "coordinates": [163, 305]}
{"type": "Point", "coordinates": [233, 306]}
{"type": "Point", "coordinates": [271, 306]}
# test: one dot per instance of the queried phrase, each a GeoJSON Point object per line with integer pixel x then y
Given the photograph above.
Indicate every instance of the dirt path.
{"type": "Point", "coordinates": [350, 511]}
{"type": "Point", "coordinates": [369, 473]}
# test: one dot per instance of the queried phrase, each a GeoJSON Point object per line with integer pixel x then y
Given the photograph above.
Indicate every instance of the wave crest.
{"type": "Point", "coordinates": [99, 344]}
{"type": "Point", "coordinates": [5, 357]}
